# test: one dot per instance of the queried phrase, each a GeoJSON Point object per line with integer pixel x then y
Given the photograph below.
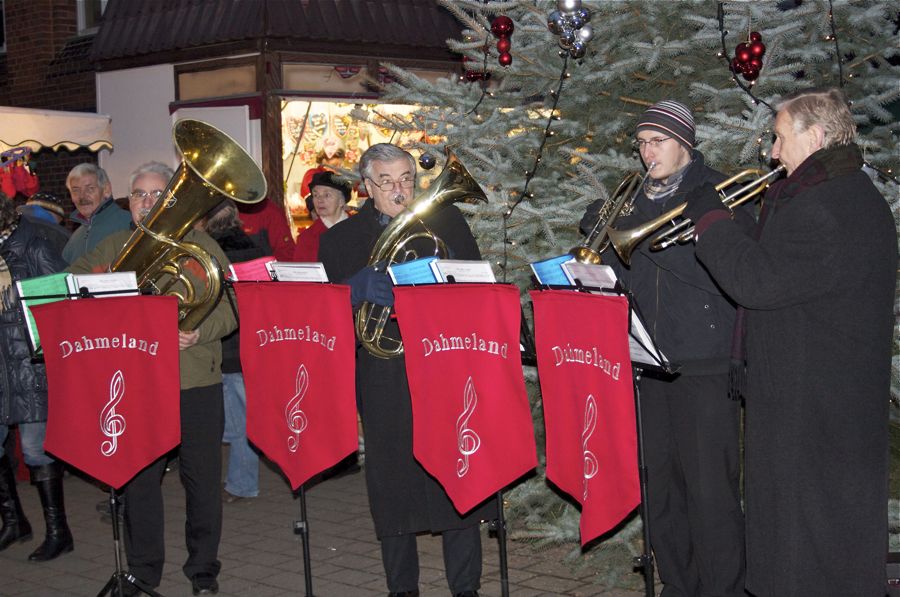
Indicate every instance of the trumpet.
{"type": "Point", "coordinates": [620, 204]}
{"type": "Point", "coordinates": [625, 241]}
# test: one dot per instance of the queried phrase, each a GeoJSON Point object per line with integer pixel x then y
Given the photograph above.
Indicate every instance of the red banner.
{"type": "Point", "coordinates": [114, 384]}
{"type": "Point", "coordinates": [472, 427]}
{"type": "Point", "coordinates": [585, 370]}
{"type": "Point", "coordinates": [298, 357]}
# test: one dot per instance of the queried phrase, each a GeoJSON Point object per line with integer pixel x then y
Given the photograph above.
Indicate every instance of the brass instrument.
{"type": "Point", "coordinates": [453, 184]}
{"type": "Point", "coordinates": [620, 203]}
{"type": "Point", "coordinates": [625, 241]}
{"type": "Point", "coordinates": [213, 167]}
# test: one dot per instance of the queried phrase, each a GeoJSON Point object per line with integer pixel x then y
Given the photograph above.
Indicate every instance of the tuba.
{"type": "Point", "coordinates": [453, 184]}
{"type": "Point", "coordinates": [213, 167]}
{"type": "Point", "coordinates": [625, 241]}
{"type": "Point", "coordinates": [620, 204]}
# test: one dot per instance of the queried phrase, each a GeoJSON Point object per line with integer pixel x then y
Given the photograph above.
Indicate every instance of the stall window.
{"type": "Point", "coordinates": [90, 13]}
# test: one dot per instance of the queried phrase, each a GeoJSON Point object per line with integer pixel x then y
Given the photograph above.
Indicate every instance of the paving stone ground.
{"type": "Point", "coordinates": [262, 557]}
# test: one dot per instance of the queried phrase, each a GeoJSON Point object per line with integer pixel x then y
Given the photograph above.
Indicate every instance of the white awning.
{"type": "Point", "coordinates": [24, 127]}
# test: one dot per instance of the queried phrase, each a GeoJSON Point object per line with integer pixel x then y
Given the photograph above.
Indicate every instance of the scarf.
{"type": "Point", "coordinates": [660, 190]}
{"type": "Point", "coordinates": [818, 168]}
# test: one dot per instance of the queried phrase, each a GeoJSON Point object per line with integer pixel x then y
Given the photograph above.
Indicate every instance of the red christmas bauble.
{"type": "Point", "coordinates": [757, 49]}
{"type": "Point", "coordinates": [736, 65]}
{"type": "Point", "coordinates": [502, 26]}
{"type": "Point", "coordinates": [755, 63]}
{"type": "Point", "coordinates": [755, 36]}
{"type": "Point", "coordinates": [503, 45]}
{"type": "Point", "coordinates": [751, 74]}
{"type": "Point", "coordinates": [472, 75]}
{"type": "Point", "coordinates": [505, 59]}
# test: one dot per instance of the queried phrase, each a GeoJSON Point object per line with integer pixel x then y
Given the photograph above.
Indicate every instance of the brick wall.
{"type": "Point", "coordinates": [46, 67]}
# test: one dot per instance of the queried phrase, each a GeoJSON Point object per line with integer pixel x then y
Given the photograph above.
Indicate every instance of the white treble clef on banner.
{"type": "Point", "coordinates": [467, 440]}
{"type": "Point", "coordinates": [112, 424]}
{"type": "Point", "coordinates": [591, 466]}
{"type": "Point", "coordinates": [296, 418]}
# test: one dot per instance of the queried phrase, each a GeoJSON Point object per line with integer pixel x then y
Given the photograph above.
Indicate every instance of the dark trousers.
{"type": "Point", "coordinates": [200, 468]}
{"type": "Point", "coordinates": [462, 560]}
{"type": "Point", "coordinates": [691, 453]}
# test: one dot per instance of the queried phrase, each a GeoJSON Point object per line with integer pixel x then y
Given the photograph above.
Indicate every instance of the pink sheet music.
{"type": "Point", "coordinates": [255, 270]}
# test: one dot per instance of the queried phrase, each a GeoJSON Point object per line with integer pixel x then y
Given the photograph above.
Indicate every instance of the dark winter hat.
{"type": "Point", "coordinates": [330, 179]}
{"type": "Point", "coordinates": [670, 118]}
{"type": "Point", "coordinates": [49, 202]}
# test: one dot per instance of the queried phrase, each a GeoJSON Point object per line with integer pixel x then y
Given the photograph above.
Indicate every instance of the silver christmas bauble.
{"type": "Point", "coordinates": [568, 5]}
{"type": "Point", "coordinates": [585, 34]}
{"type": "Point", "coordinates": [555, 22]}
{"type": "Point", "coordinates": [578, 49]}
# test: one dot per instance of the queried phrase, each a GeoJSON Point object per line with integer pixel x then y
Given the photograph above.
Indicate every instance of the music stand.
{"type": "Point", "coordinates": [645, 356]}
{"type": "Point", "coordinates": [120, 577]}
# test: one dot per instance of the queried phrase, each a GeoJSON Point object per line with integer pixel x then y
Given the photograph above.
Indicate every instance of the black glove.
{"type": "Point", "coordinates": [371, 285]}
{"type": "Point", "coordinates": [702, 201]}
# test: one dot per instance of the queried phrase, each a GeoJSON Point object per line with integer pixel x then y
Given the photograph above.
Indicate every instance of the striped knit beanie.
{"type": "Point", "coordinates": [671, 118]}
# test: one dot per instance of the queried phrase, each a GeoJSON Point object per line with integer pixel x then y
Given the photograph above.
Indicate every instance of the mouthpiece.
{"type": "Point", "coordinates": [398, 198]}
{"type": "Point", "coordinates": [651, 166]}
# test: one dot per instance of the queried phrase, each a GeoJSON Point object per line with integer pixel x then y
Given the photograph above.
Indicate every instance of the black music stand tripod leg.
{"type": "Point", "coordinates": [645, 560]}
{"type": "Point", "coordinates": [498, 526]}
{"type": "Point", "coordinates": [301, 527]}
{"type": "Point", "coordinates": [121, 580]}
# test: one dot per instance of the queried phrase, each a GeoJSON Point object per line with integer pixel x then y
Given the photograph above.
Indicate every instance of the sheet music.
{"type": "Point", "coordinates": [463, 270]}
{"type": "Point", "coordinates": [52, 285]}
{"type": "Point", "coordinates": [254, 270]}
{"type": "Point", "coordinates": [597, 276]}
{"type": "Point", "coordinates": [123, 282]}
{"type": "Point", "coordinates": [550, 271]}
{"type": "Point", "coordinates": [415, 271]}
{"type": "Point", "coordinates": [299, 272]}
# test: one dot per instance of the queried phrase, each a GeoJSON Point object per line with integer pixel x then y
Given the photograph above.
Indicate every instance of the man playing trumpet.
{"type": "Point", "coordinates": [690, 424]}
{"type": "Point", "coordinates": [817, 281]}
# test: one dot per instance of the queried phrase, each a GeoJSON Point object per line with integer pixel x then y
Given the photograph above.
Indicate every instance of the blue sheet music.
{"type": "Point", "coordinates": [417, 271]}
{"type": "Point", "coordinates": [550, 271]}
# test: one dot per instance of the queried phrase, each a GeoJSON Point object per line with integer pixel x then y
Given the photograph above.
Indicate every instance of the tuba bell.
{"type": "Point", "coordinates": [453, 184]}
{"type": "Point", "coordinates": [213, 167]}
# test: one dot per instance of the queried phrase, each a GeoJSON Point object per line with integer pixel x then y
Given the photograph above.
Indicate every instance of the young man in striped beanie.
{"type": "Point", "coordinates": [690, 425]}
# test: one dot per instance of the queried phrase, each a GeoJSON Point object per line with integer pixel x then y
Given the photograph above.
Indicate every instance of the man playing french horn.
{"type": "Point", "coordinates": [690, 423]}
{"type": "Point", "coordinates": [403, 498]}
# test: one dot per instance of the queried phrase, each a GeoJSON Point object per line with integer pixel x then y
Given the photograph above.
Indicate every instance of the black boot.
{"type": "Point", "coordinates": [15, 525]}
{"type": "Point", "coordinates": [49, 482]}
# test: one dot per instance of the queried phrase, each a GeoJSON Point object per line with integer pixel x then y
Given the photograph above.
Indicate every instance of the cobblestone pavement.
{"type": "Point", "coordinates": [261, 556]}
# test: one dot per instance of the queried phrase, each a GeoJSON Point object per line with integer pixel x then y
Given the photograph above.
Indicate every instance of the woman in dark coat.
{"type": "Point", "coordinates": [26, 253]}
{"type": "Point", "coordinates": [818, 289]}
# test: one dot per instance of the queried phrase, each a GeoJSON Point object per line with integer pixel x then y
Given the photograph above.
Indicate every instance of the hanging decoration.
{"type": "Point", "coordinates": [748, 56]}
{"type": "Point", "coordinates": [427, 161]}
{"type": "Point", "coordinates": [723, 54]}
{"type": "Point", "coordinates": [16, 175]}
{"type": "Point", "coordinates": [570, 23]}
{"type": "Point", "coordinates": [502, 27]}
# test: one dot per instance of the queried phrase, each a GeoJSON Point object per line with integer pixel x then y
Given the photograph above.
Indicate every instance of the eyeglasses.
{"type": "Point", "coordinates": [407, 182]}
{"type": "Point", "coordinates": [654, 142]}
{"type": "Point", "coordinates": [136, 195]}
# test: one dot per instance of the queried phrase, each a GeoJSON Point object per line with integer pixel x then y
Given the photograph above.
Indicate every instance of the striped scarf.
{"type": "Point", "coordinates": [660, 190]}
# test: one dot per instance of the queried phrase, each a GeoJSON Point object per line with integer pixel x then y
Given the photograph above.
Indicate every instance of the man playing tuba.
{"type": "Point", "coordinates": [403, 498]}
{"type": "Point", "coordinates": [202, 418]}
{"type": "Point", "coordinates": [690, 424]}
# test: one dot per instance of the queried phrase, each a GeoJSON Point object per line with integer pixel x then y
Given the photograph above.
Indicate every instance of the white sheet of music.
{"type": "Point", "coordinates": [643, 350]}
{"type": "Point", "coordinates": [463, 271]}
{"type": "Point", "coordinates": [123, 282]}
{"type": "Point", "coordinates": [299, 272]}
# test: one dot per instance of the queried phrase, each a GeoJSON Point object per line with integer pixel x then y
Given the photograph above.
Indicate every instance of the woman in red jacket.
{"type": "Point", "coordinates": [330, 196]}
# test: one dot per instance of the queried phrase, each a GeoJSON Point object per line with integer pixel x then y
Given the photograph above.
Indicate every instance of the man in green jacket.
{"type": "Point", "coordinates": [95, 210]}
{"type": "Point", "coordinates": [202, 418]}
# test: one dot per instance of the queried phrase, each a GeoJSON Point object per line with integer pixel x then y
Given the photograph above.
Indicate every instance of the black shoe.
{"type": "Point", "coordinates": [15, 525]}
{"type": "Point", "coordinates": [204, 583]}
{"type": "Point", "coordinates": [467, 594]}
{"type": "Point", "coordinates": [405, 594]}
{"type": "Point", "coordinates": [58, 540]}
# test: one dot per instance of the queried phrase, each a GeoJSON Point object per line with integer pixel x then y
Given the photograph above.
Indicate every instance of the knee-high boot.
{"type": "Point", "coordinates": [49, 482]}
{"type": "Point", "coordinates": [15, 525]}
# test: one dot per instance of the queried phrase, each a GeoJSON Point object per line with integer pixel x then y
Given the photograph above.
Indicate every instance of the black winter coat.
{"type": "Point", "coordinates": [686, 313]}
{"type": "Point", "coordinates": [23, 385]}
{"type": "Point", "coordinates": [402, 496]}
{"type": "Point", "coordinates": [818, 287]}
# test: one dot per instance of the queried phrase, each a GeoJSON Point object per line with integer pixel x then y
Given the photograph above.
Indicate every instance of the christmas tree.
{"type": "Point", "coordinates": [543, 112]}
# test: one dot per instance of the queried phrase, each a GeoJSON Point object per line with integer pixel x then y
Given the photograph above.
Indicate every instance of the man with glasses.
{"type": "Point", "coordinates": [689, 420]}
{"type": "Point", "coordinates": [202, 417]}
{"type": "Point", "coordinates": [95, 210]}
{"type": "Point", "coordinates": [403, 498]}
